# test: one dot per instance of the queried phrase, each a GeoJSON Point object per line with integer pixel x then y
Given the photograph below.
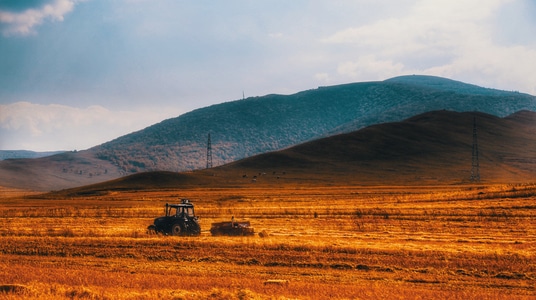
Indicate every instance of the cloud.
{"type": "Point", "coordinates": [454, 39]}
{"type": "Point", "coordinates": [429, 22]}
{"type": "Point", "coordinates": [368, 66]}
{"type": "Point", "coordinates": [25, 125]}
{"type": "Point", "coordinates": [22, 21]}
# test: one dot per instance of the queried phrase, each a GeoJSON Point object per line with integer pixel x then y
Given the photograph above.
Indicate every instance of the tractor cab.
{"type": "Point", "coordinates": [183, 210]}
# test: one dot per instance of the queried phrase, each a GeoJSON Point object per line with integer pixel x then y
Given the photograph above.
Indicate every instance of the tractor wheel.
{"type": "Point", "coordinates": [176, 229]}
{"type": "Point", "coordinates": [195, 229]}
{"type": "Point", "coordinates": [151, 229]}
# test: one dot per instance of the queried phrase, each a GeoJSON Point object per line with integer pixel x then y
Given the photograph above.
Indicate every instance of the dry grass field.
{"type": "Point", "coordinates": [337, 242]}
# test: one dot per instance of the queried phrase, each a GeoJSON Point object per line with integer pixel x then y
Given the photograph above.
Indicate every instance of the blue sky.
{"type": "Point", "coordinates": [78, 73]}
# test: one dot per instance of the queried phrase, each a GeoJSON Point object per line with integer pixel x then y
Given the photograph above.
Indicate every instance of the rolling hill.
{"type": "Point", "coordinates": [433, 148]}
{"type": "Point", "coordinates": [256, 125]}
{"type": "Point", "coordinates": [10, 154]}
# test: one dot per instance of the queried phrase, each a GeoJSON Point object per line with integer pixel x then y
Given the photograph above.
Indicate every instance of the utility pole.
{"type": "Point", "coordinates": [475, 166]}
{"type": "Point", "coordinates": [209, 153]}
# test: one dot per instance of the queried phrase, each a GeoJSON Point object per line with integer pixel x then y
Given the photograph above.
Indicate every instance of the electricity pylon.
{"type": "Point", "coordinates": [209, 153]}
{"type": "Point", "coordinates": [475, 166]}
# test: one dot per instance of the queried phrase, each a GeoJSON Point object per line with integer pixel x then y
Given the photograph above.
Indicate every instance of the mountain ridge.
{"type": "Point", "coordinates": [319, 112]}
{"type": "Point", "coordinates": [256, 125]}
{"type": "Point", "coordinates": [12, 154]}
{"type": "Point", "coordinates": [427, 149]}
{"type": "Point", "coordinates": [441, 83]}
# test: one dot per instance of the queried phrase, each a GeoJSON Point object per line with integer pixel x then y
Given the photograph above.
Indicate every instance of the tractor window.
{"type": "Point", "coordinates": [180, 211]}
{"type": "Point", "coordinates": [189, 211]}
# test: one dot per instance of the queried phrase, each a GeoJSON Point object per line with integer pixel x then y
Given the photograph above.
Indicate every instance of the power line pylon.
{"type": "Point", "coordinates": [209, 153]}
{"type": "Point", "coordinates": [475, 166]}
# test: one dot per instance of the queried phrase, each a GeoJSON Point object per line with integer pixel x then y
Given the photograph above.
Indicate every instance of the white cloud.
{"type": "Point", "coordinates": [322, 78]}
{"type": "Point", "coordinates": [429, 23]}
{"type": "Point", "coordinates": [368, 66]}
{"type": "Point", "coordinates": [25, 125]}
{"type": "Point", "coordinates": [276, 35]}
{"type": "Point", "coordinates": [447, 38]}
{"type": "Point", "coordinates": [22, 23]}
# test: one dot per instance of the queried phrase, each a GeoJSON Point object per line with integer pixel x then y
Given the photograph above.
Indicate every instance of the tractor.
{"type": "Point", "coordinates": [179, 219]}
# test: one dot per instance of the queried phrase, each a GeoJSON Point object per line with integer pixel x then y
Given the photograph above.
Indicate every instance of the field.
{"type": "Point", "coordinates": [337, 242]}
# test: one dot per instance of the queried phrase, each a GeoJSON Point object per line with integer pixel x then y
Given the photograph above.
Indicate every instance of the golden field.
{"type": "Point", "coordinates": [336, 242]}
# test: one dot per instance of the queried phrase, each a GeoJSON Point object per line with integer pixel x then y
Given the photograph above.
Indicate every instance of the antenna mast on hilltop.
{"type": "Point", "coordinates": [475, 167]}
{"type": "Point", "coordinates": [209, 153]}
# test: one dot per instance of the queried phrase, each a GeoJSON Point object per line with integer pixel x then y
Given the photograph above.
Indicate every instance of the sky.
{"type": "Point", "coordinates": [77, 73]}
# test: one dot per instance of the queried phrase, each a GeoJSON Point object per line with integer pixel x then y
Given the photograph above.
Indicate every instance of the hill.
{"type": "Point", "coordinates": [10, 154]}
{"type": "Point", "coordinates": [256, 125]}
{"type": "Point", "coordinates": [261, 124]}
{"type": "Point", "coordinates": [431, 148]}
{"type": "Point", "coordinates": [54, 172]}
